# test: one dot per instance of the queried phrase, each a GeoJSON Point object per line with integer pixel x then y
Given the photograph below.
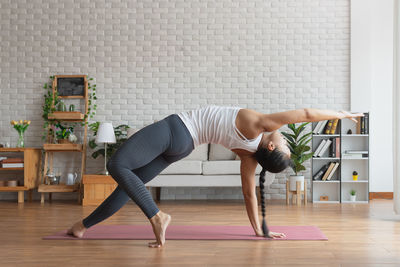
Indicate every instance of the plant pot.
{"type": "Point", "coordinates": [353, 198]}
{"type": "Point", "coordinates": [355, 177]}
{"type": "Point", "coordinates": [292, 182]}
{"type": "Point", "coordinates": [63, 141]}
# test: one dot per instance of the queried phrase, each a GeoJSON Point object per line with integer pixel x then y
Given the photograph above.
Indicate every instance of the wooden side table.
{"type": "Point", "coordinates": [97, 187]}
{"type": "Point", "coordinates": [298, 193]}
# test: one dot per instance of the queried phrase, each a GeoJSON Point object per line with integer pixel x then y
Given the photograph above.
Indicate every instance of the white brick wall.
{"type": "Point", "coordinates": [154, 58]}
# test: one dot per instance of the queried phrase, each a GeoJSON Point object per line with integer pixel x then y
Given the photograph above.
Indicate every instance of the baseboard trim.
{"type": "Point", "coordinates": [380, 195]}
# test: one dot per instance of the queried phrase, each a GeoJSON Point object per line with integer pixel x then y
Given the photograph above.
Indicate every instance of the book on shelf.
{"type": "Point", "coordinates": [366, 123]}
{"type": "Point", "coordinates": [12, 165]}
{"type": "Point", "coordinates": [334, 126]}
{"type": "Point", "coordinates": [324, 148]}
{"type": "Point", "coordinates": [328, 127]}
{"type": "Point", "coordinates": [321, 171]}
{"type": "Point", "coordinates": [354, 156]}
{"type": "Point", "coordinates": [356, 151]}
{"type": "Point", "coordinates": [362, 126]}
{"type": "Point", "coordinates": [13, 160]}
{"type": "Point", "coordinates": [320, 127]}
{"type": "Point", "coordinates": [321, 144]}
{"type": "Point", "coordinates": [315, 130]}
{"type": "Point", "coordinates": [332, 171]}
{"type": "Point", "coordinates": [331, 165]}
{"type": "Point", "coordinates": [1, 158]}
{"type": "Point", "coordinates": [334, 151]}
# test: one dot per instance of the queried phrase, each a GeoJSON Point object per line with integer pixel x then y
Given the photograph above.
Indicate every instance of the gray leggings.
{"type": "Point", "coordinates": [139, 159]}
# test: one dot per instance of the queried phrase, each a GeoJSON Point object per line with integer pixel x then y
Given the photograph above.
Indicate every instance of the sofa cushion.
{"type": "Point", "coordinates": [199, 153]}
{"type": "Point", "coordinates": [224, 167]}
{"type": "Point", "coordinates": [219, 152]}
{"type": "Point", "coordinates": [184, 167]}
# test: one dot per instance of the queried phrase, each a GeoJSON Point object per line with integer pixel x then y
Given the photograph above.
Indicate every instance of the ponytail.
{"type": "Point", "coordinates": [264, 223]}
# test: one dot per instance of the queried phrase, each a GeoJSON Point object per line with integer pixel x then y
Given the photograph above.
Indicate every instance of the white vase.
{"type": "Point", "coordinates": [353, 198]}
{"type": "Point", "coordinates": [292, 182]}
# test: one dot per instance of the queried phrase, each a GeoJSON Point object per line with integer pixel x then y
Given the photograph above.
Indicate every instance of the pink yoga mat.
{"type": "Point", "coordinates": [196, 232]}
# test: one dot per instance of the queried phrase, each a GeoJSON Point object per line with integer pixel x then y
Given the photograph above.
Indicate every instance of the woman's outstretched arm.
{"type": "Point", "coordinates": [274, 121]}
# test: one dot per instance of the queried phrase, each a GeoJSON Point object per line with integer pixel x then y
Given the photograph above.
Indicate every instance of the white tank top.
{"type": "Point", "coordinates": [216, 125]}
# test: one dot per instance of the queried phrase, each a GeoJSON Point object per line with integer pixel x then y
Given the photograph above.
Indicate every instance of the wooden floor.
{"type": "Point", "coordinates": [359, 235]}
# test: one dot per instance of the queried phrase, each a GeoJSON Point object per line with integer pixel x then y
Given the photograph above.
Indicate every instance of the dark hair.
{"type": "Point", "coordinates": [264, 223]}
{"type": "Point", "coordinates": [273, 161]}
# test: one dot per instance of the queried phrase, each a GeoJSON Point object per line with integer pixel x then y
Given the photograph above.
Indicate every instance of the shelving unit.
{"type": "Point", "coordinates": [50, 149]}
{"type": "Point", "coordinates": [31, 171]}
{"type": "Point", "coordinates": [361, 165]}
{"type": "Point", "coordinates": [339, 187]}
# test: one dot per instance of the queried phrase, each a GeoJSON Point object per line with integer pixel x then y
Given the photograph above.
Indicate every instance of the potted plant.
{"type": "Point", "coordinates": [120, 132]}
{"type": "Point", "coordinates": [62, 133]}
{"type": "Point", "coordinates": [298, 145]}
{"type": "Point", "coordinates": [353, 195]}
{"type": "Point", "coordinates": [355, 175]}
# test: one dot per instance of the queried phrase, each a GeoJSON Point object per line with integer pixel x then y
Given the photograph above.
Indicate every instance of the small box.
{"type": "Point", "coordinates": [323, 198]}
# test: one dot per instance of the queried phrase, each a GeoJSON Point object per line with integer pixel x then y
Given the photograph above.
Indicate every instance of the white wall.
{"type": "Point", "coordinates": [372, 82]}
{"type": "Point", "coordinates": [154, 58]}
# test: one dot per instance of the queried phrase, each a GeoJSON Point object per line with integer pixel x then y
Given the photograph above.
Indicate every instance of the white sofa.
{"type": "Point", "coordinates": [209, 165]}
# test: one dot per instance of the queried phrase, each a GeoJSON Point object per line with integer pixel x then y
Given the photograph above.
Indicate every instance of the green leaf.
{"type": "Point", "coordinates": [288, 137]}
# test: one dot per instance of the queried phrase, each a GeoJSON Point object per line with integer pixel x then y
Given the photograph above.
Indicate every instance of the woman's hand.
{"type": "Point", "coordinates": [351, 116]}
{"type": "Point", "coordinates": [270, 234]}
{"type": "Point", "coordinates": [276, 235]}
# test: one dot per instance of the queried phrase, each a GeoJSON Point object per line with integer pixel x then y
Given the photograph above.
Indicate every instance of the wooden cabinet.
{"type": "Point", "coordinates": [96, 188]}
{"type": "Point", "coordinates": [31, 170]}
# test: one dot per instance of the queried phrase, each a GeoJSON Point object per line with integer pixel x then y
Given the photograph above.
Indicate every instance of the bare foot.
{"type": "Point", "coordinates": [77, 229]}
{"type": "Point", "coordinates": [159, 222]}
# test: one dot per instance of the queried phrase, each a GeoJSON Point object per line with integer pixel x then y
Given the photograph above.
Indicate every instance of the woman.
{"type": "Point", "coordinates": [149, 151]}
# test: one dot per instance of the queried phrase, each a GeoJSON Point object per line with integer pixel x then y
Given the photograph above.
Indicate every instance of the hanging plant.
{"type": "Point", "coordinates": [49, 107]}
{"type": "Point", "coordinates": [92, 106]}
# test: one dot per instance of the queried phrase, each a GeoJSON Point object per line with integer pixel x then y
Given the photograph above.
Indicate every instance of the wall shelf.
{"type": "Point", "coordinates": [63, 147]}
{"type": "Point", "coordinates": [66, 115]}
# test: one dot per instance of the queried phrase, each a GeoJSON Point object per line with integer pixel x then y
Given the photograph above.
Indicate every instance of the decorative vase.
{"type": "Point", "coordinates": [21, 142]}
{"type": "Point", "coordinates": [72, 107]}
{"type": "Point", "coordinates": [63, 141]}
{"type": "Point", "coordinates": [72, 138]}
{"type": "Point", "coordinates": [61, 106]}
{"type": "Point", "coordinates": [353, 198]}
{"type": "Point", "coordinates": [292, 182]}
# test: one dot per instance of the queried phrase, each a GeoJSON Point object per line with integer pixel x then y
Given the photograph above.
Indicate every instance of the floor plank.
{"type": "Point", "coordinates": [359, 235]}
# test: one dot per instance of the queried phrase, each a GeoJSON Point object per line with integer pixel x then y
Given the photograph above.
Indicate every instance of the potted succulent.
{"type": "Point", "coordinates": [355, 175]}
{"type": "Point", "coordinates": [298, 145]}
{"type": "Point", "coordinates": [353, 195]}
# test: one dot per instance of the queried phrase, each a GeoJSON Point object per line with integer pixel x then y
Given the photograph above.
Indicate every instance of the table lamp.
{"type": "Point", "coordinates": [105, 134]}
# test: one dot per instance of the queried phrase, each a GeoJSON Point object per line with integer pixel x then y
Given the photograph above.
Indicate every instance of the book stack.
{"type": "Point", "coordinates": [12, 163]}
{"type": "Point", "coordinates": [333, 143]}
{"type": "Point", "coordinates": [356, 154]}
{"type": "Point", "coordinates": [326, 172]}
{"type": "Point", "coordinates": [362, 126]}
{"type": "Point", "coordinates": [326, 127]}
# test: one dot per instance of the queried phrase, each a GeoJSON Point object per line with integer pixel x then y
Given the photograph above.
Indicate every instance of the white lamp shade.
{"type": "Point", "coordinates": [105, 134]}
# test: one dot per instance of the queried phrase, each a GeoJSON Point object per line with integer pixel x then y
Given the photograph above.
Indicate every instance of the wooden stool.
{"type": "Point", "coordinates": [298, 193]}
